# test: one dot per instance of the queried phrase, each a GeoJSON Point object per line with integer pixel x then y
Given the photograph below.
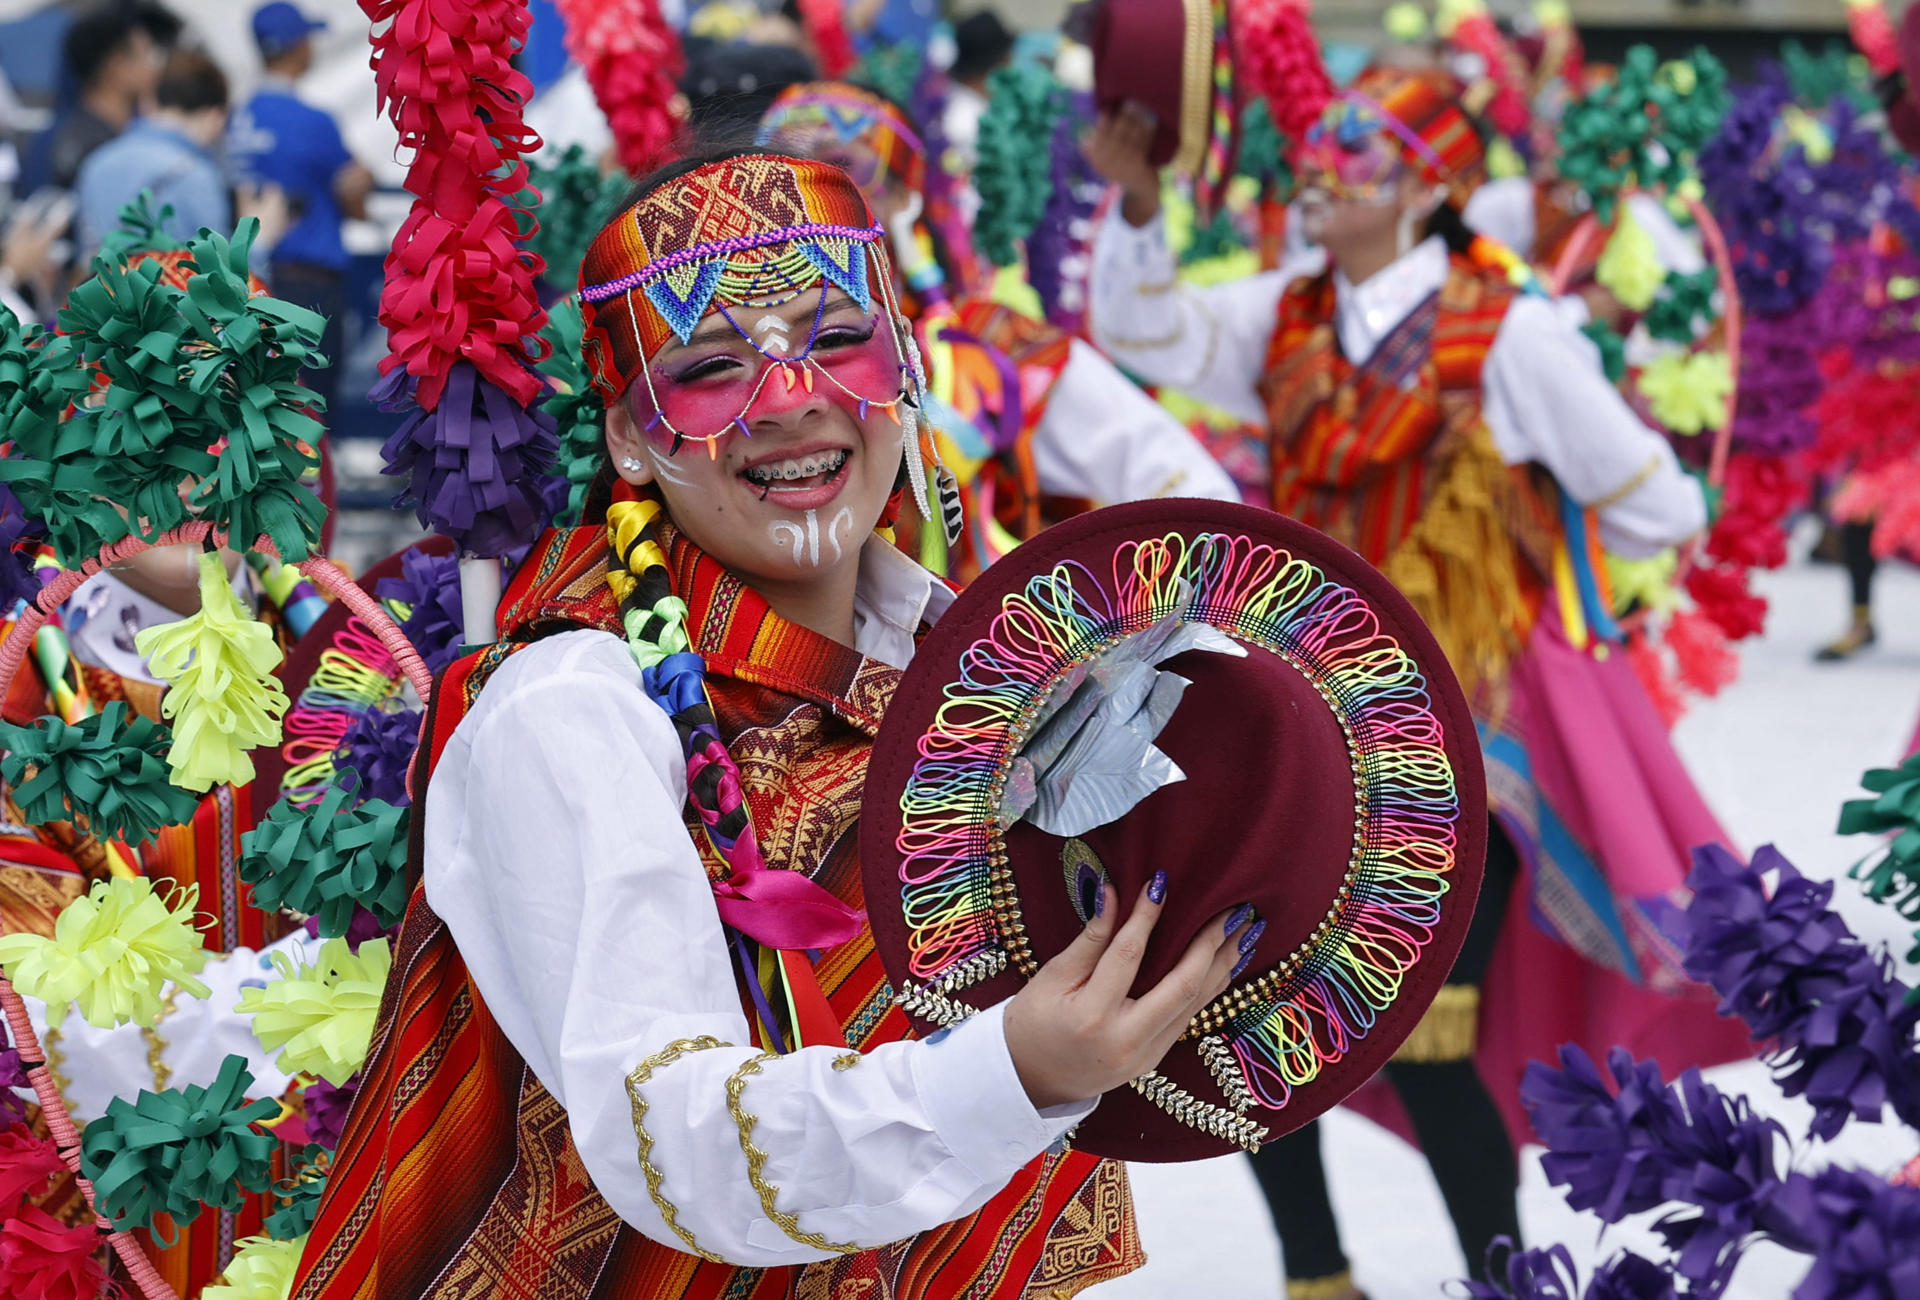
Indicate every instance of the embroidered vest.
{"type": "Point", "coordinates": [1392, 457]}
{"type": "Point", "coordinates": [457, 1175]}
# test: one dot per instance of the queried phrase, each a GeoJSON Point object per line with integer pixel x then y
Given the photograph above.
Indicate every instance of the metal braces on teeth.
{"type": "Point", "coordinates": [830, 464]}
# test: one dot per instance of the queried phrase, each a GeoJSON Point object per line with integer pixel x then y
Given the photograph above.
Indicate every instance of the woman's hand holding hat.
{"type": "Point", "coordinates": [1075, 1032]}
{"type": "Point", "coordinates": [1118, 145]}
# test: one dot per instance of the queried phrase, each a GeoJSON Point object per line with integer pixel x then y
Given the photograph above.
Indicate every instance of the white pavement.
{"type": "Point", "coordinates": [1776, 755]}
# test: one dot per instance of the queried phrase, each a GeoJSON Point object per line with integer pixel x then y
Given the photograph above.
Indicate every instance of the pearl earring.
{"type": "Point", "coordinates": [631, 464]}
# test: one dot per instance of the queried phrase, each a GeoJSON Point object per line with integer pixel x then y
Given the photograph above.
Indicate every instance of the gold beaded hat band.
{"type": "Point", "coordinates": [1214, 691]}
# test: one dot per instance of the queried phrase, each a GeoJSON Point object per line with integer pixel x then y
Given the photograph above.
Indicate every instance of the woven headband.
{"type": "Point", "coordinates": [855, 117]}
{"type": "Point", "coordinates": [755, 230]}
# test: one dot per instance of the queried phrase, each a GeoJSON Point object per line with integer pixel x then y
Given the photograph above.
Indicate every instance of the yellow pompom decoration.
{"type": "Point", "coordinates": [1406, 22]}
{"type": "Point", "coordinates": [1688, 392]}
{"type": "Point", "coordinates": [261, 1269]}
{"type": "Point", "coordinates": [222, 697]}
{"type": "Point", "coordinates": [1503, 160]}
{"type": "Point", "coordinates": [1809, 132]}
{"type": "Point", "coordinates": [113, 949]}
{"type": "Point", "coordinates": [321, 1014]}
{"type": "Point", "coordinates": [1451, 13]}
{"type": "Point", "coordinates": [1629, 267]}
{"type": "Point", "coordinates": [1011, 290]}
{"type": "Point", "coordinates": [1553, 13]}
{"type": "Point", "coordinates": [1647, 584]}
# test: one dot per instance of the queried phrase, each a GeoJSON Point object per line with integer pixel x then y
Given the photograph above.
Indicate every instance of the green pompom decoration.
{"type": "Point", "coordinates": [890, 70]}
{"type": "Point", "coordinates": [322, 860]}
{"type": "Point", "coordinates": [108, 771]}
{"type": "Point", "coordinates": [575, 202]}
{"type": "Point", "coordinates": [1262, 153]}
{"type": "Point", "coordinates": [579, 413]}
{"type": "Point", "coordinates": [1613, 348]}
{"type": "Point", "coordinates": [180, 1151]}
{"type": "Point", "coordinates": [1891, 876]}
{"type": "Point", "coordinates": [1836, 72]}
{"type": "Point", "coordinates": [141, 230]}
{"type": "Point", "coordinates": [202, 387]}
{"type": "Point", "coordinates": [1014, 176]}
{"type": "Point", "coordinates": [1643, 130]}
{"type": "Point", "coordinates": [1685, 305]}
{"type": "Point", "coordinates": [300, 1195]}
{"type": "Point", "coordinates": [1217, 238]}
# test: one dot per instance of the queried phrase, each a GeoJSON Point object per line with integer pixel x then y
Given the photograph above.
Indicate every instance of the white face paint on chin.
{"type": "Point", "coordinates": [804, 540]}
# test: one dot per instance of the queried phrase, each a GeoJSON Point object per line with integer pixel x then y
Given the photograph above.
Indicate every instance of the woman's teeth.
{"type": "Point", "coordinates": [804, 467]}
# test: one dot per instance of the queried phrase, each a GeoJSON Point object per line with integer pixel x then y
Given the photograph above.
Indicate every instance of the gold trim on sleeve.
{"type": "Point", "coordinates": [1632, 485]}
{"type": "Point", "coordinates": [757, 1162]}
{"type": "Point", "coordinates": [642, 1073]}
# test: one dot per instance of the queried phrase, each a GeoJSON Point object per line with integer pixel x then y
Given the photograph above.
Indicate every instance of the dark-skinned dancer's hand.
{"type": "Point", "coordinates": [1118, 145]}
{"type": "Point", "coordinates": [1076, 1030]}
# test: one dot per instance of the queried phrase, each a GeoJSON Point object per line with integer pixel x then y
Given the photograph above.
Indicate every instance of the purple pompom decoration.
{"type": "Point", "coordinates": [1840, 1023]}
{"type": "Point", "coordinates": [1056, 250]}
{"type": "Point", "coordinates": [20, 539]}
{"type": "Point", "coordinates": [13, 1107]}
{"type": "Point", "coordinates": [1646, 1145]}
{"type": "Point", "coordinates": [475, 463]}
{"type": "Point", "coordinates": [430, 586]}
{"type": "Point", "coordinates": [1862, 1231]}
{"type": "Point", "coordinates": [377, 751]}
{"type": "Point", "coordinates": [1631, 1277]}
{"type": "Point", "coordinates": [327, 1110]}
{"type": "Point", "coordinates": [1549, 1274]}
{"type": "Point", "coordinates": [1604, 1143]}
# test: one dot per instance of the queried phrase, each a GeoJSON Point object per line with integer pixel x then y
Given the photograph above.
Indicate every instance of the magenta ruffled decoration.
{"type": "Point", "coordinates": [475, 464]}
{"type": "Point", "coordinates": [429, 585]}
{"type": "Point", "coordinates": [20, 539]}
{"type": "Point", "coordinates": [327, 1110]}
{"type": "Point", "coordinates": [1786, 964]}
{"type": "Point", "coordinates": [377, 750]}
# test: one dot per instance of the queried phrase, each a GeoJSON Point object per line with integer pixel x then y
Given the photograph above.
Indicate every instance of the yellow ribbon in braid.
{"type": "Point", "coordinates": [635, 552]}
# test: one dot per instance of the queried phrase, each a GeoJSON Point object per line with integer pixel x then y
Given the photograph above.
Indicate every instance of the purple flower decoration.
{"type": "Point", "coordinates": [1640, 1145]}
{"type": "Point", "coordinates": [377, 750]}
{"type": "Point", "coordinates": [13, 1108]}
{"type": "Point", "coordinates": [475, 463]}
{"type": "Point", "coordinates": [1862, 1231]}
{"type": "Point", "coordinates": [20, 539]}
{"type": "Point", "coordinates": [327, 1109]}
{"type": "Point", "coordinates": [430, 586]}
{"type": "Point", "coordinates": [1787, 965]}
{"type": "Point", "coordinates": [1059, 235]}
{"type": "Point", "coordinates": [1549, 1274]}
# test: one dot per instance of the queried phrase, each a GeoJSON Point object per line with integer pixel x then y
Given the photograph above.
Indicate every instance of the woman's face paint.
{"type": "Point", "coordinates": [743, 361]}
{"type": "Point", "coordinates": [1350, 156]}
{"type": "Point", "coordinates": [797, 498]}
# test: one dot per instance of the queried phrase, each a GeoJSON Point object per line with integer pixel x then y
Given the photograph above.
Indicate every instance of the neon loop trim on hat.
{"type": "Point", "coordinates": [957, 897]}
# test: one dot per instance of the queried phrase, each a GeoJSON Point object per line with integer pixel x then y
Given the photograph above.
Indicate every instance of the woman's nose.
{"type": "Point", "coordinates": [790, 392]}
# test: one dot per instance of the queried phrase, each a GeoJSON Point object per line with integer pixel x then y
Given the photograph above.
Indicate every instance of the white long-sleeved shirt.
{"type": "Point", "coordinates": [556, 854]}
{"type": "Point", "coordinates": [1503, 210]}
{"type": "Point", "coordinates": [1546, 399]}
{"type": "Point", "coordinates": [1104, 439]}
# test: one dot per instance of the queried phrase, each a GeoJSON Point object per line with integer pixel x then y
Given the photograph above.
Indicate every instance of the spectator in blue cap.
{"type": "Point", "coordinates": [277, 139]}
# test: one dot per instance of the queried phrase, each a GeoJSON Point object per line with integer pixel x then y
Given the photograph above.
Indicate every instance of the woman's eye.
{"type": "Point", "coordinates": [843, 336]}
{"type": "Point", "coordinates": [708, 369]}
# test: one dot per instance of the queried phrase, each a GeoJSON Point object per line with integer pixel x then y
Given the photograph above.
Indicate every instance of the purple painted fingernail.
{"type": "Point", "coordinates": [1240, 966]}
{"type": "Point", "coordinates": [1157, 888]}
{"type": "Point", "coordinates": [1100, 900]}
{"type": "Point", "coordinates": [1238, 919]}
{"type": "Point", "coordinates": [1252, 937]}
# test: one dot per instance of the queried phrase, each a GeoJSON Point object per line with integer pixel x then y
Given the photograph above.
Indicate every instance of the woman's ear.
{"type": "Point", "coordinates": [632, 457]}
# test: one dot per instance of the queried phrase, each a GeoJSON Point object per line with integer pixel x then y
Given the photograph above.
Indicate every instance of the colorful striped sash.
{"type": "Point", "coordinates": [457, 1174]}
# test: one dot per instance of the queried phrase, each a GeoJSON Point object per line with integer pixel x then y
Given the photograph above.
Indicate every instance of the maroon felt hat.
{"type": "Point", "coordinates": [1903, 115]}
{"type": "Point", "coordinates": [1159, 54]}
{"type": "Point", "coordinates": [1322, 765]}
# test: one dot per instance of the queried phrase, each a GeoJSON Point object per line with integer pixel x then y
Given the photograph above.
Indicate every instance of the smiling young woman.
{"type": "Point", "coordinates": [640, 835]}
